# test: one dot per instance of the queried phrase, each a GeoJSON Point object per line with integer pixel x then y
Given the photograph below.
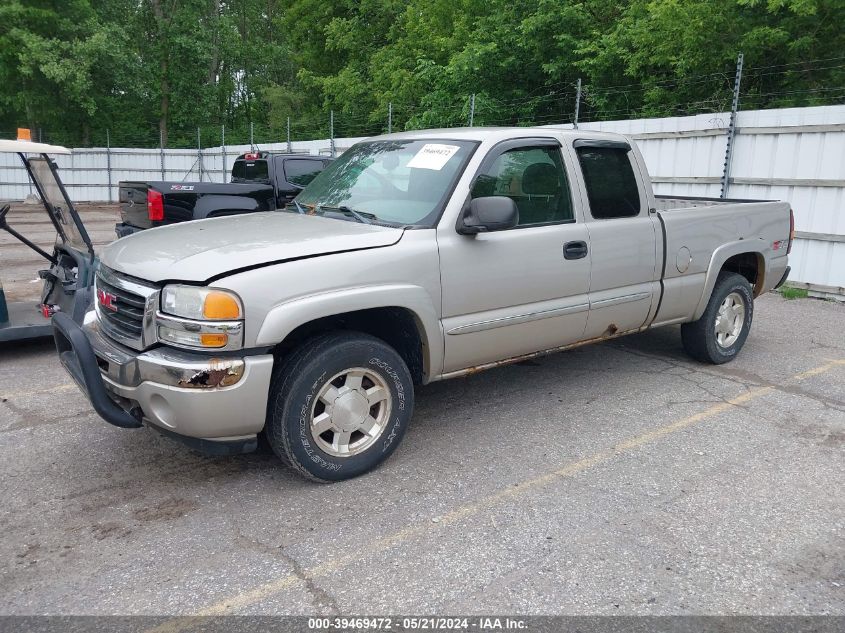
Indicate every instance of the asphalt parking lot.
{"type": "Point", "coordinates": [620, 478]}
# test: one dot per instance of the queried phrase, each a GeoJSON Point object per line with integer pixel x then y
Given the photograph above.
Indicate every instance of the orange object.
{"type": "Point", "coordinates": [213, 340]}
{"type": "Point", "coordinates": [219, 305]}
{"type": "Point", "coordinates": [24, 134]}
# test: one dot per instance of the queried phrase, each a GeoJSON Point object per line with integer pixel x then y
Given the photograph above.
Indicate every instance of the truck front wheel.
{"type": "Point", "coordinates": [339, 405]}
{"type": "Point", "coordinates": [721, 331]}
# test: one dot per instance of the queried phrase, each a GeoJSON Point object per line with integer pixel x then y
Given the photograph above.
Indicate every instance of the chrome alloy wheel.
{"type": "Point", "coordinates": [350, 413]}
{"type": "Point", "coordinates": [729, 319]}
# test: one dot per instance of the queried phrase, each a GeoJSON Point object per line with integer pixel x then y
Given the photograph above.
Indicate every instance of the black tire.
{"type": "Point", "coordinates": [296, 385]}
{"type": "Point", "coordinates": [699, 337]}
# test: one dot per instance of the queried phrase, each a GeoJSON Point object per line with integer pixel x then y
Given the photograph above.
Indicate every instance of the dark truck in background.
{"type": "Point", "coordinates": [261, 181]}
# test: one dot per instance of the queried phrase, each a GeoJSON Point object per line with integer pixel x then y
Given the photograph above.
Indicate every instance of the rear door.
{"type": "Point", "coordinates": [625, 278]}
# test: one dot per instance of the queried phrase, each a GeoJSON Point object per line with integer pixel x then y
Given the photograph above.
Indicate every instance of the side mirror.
{"type": "Point", "coordinates": [490, 213]}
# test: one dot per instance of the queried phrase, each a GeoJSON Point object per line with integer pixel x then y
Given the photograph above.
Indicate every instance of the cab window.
{"type": "Point", "coordinates": [610, 181]}
{"type": "Point", "coordinates": [535, 179]}
{"type": "Point", "coordinates": [301, 171]}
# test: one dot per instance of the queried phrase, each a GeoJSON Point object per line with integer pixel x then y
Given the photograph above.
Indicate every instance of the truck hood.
{"type": "Point", "coordinates": [204, 249]}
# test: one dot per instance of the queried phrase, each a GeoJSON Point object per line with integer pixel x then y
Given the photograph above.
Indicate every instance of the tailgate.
{"type": "Point", "coordinates": [133, 204]}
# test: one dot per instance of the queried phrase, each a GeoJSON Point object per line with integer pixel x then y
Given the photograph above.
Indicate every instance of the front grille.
{"type": "Point", "coordinates": [125, 308]}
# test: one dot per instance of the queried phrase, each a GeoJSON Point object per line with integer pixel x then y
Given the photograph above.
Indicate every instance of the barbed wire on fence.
{"type": "Point", "coordinates": [763, 85]}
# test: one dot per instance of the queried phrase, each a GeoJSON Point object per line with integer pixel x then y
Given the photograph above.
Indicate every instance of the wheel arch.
{"type": "Point", "coordinates": [210, 205]}
{"type": "Point", "coordinates": [402, 317]}
{"type": "Point", "coordinates": [740, 257]}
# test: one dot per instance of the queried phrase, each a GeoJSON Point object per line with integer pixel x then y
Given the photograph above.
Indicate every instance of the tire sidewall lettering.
{"type": "Point", "coordinates": [400, 398]}
{"type": "Point", "coordinates": [311, 451]}
{"type": "Point", "coordinates": [300, 409]}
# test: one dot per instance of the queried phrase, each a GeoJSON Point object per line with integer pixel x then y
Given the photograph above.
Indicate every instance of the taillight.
{"type": "Point", "coordinates": [155, 205]}
{"type": "Point", "coordinates": [252, 156]}
{"type": "Point", "coordinates": [791, 230]}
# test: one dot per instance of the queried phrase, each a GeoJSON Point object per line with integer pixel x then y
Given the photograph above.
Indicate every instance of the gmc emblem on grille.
{"type": "Point", "coordinates": [107, 300]}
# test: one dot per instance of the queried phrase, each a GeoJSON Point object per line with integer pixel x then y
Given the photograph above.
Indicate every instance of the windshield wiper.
{"type": "Point", "coordinates": [364, 218]}
{"type": "Point", "coordinates": [298, 206]}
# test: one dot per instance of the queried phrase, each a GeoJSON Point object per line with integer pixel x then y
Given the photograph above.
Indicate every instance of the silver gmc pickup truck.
{"type": "Point", "coordinates": [412, 258]}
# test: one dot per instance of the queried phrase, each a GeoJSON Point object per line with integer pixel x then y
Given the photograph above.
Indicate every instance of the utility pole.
{"type": "Point", "coordinates": [108, 161]}
{"type": "Point", "coordinates": [251, 135]}
{"type": "Point", "coordinates": [577, 104]}
{"type": "Point", "coordinates": [331, 131]}
{"type": "Point", "coordinates": [729, 146]}
{"type": "Point", "coordinates": [223, 148]}
{"type": "Point", "coordinates": [471, 109]}
{"type": "Point", "coordinates": [289, 147]}
{"type": "Point", "coordinates": [390, 117]}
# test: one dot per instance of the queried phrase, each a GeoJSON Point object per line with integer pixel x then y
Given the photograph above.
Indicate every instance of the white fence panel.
{"type": "Point", "coordinates": [798, 154]}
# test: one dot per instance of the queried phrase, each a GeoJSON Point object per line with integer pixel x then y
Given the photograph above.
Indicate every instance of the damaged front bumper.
{"type": "Point", "coordinates": [216, 405]}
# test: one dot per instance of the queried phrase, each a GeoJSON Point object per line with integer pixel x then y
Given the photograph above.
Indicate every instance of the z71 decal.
{"type": "Point", "coordinates": [181, 187]}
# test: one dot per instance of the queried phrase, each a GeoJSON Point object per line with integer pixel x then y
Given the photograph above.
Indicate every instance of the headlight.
{"type": "Point", "coordinates": [200, 318]}
{"type": "Point", "coordinates": [194, 302]}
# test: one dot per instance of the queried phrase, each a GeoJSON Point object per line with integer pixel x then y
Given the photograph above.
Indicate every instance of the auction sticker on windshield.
{"type": "Point", "coordinates": [433, 156]}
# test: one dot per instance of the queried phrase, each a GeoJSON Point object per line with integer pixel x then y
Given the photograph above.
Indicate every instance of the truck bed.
{"type": "Point", "coordinates": [665, 203]}
{"type": "Point", "coordinates": [692, 226]}
{"type": "Point", "coordinates": [185, 201]}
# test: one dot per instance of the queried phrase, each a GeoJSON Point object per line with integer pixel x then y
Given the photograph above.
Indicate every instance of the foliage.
{"type": "Point", "coordinates": [159, 69]}
{"type": "Point", "coordinates": [792, 292]}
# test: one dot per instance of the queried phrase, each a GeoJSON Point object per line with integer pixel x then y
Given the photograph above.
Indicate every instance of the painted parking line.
{"type": "Point", "coordinates": [831, 363]}
{"type": "Point", "coordinates": [514, 491]}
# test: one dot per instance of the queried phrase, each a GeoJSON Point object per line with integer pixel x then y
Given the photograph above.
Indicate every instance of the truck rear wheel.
{"type": "Point", "coordinates": [339, 405]}
{"type": "Point", "coordinates": [721, 331]}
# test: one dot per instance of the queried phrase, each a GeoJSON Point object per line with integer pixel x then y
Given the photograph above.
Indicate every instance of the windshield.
{"type": "Point", "coordinates": [63, 210]}
{"type": "Point", "coordinates": [401, 182]}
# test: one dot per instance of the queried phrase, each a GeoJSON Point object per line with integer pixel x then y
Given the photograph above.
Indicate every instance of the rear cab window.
{"type": "Point", "coordinates": [609, 177]}
{"type": "Point", "coordinates": [250, 171]}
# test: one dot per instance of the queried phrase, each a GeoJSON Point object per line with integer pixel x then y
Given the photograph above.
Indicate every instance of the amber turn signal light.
{"type": "Point", "coordinates": [213, 340]}
{"type": "Point", "coordinates": [220, 305]}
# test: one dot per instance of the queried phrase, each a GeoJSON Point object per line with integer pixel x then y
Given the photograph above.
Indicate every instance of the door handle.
{"type": "Point", "coordinates": [575, 250]}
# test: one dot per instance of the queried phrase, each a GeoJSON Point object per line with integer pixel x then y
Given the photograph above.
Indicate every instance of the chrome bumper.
{"type": "Point", "coordinates": [220, 399]}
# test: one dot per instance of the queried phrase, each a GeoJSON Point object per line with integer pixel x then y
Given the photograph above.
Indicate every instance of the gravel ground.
{"type": "Point", "coordinates": [620, 478]}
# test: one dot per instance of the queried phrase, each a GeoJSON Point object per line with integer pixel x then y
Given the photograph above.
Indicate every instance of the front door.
{"type": "Point", "coordinates": [512, 292]}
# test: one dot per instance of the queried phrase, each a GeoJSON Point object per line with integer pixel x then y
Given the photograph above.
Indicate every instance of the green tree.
{"type": "Point", "coordinates": [679, 56]}
{"type": "Point", "coordinates": [58, 65]}
{"type": "Point", "coordinates": [151, 69]}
